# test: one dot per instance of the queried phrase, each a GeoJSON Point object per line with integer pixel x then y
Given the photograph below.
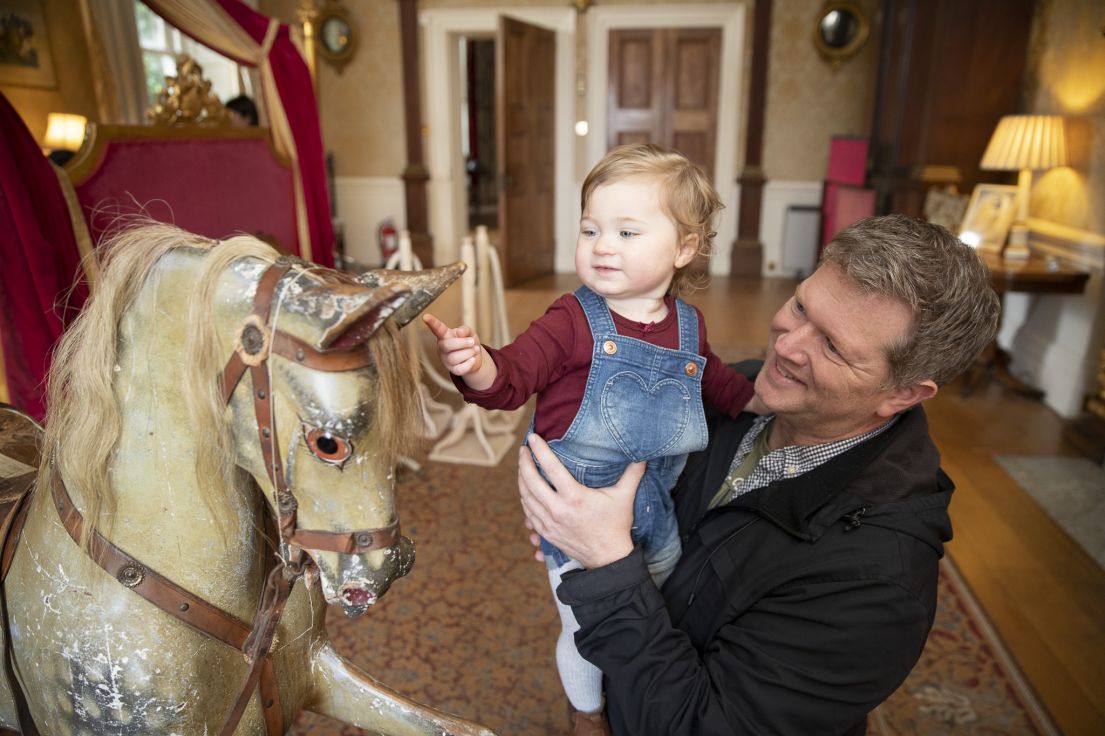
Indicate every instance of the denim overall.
{"type": "Point", "coordinates": [641, 402]}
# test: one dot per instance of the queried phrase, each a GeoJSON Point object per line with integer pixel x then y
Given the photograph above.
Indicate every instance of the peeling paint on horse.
{"type": "Point", "coordinates": [99, 659]}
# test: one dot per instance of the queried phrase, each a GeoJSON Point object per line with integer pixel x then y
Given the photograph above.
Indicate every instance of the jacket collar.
{"type": "Point", "coordinates": [806, 505]}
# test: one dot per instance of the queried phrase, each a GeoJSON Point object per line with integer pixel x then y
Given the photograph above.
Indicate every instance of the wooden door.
{"type": "Point", "coordinates": [948, 71]}
{"type": "Point", "coordinates": [525, 113]}
{"type": "Point", "coordinates": [664, 89]}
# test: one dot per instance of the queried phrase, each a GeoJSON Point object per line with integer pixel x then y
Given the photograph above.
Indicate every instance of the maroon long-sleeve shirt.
{"type": "Point", "coordinates": [553, 357]}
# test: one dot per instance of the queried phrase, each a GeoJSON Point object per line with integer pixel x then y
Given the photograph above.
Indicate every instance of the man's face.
{"type": "Point", "coordinates": [827, 366]}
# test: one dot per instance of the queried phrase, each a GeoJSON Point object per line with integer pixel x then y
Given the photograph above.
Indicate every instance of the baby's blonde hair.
{"type": "Point", "coordinates": [687, 196]}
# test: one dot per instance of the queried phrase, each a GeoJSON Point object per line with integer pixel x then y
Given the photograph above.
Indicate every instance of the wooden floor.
{"type": "Point", "coordinates": [1046, 597]}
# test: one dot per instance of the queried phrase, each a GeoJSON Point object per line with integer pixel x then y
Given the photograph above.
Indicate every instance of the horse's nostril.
{"type": "Point", "coordinates": [357, 597]}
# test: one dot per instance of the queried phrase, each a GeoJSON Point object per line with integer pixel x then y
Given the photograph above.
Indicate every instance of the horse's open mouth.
{"type": "Point", "coordinates": [357, 597]}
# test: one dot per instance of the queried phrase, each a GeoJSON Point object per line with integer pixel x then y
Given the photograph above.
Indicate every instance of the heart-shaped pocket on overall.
{"type": "Point", "coordinates": [646, 423]}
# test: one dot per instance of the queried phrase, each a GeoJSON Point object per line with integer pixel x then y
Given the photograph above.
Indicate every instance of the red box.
{"type": "Point", "coordinates": [847, 160]}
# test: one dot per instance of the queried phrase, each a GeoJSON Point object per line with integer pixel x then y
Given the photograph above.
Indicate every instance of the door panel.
{"type": "Point", "coordinates": [664, 90]}
{"type": "Point", "coordinates": [635, 95]}
{"type": "Point", "coordinates": [525, 105]}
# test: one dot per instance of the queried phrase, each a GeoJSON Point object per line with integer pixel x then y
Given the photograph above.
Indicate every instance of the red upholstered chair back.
{"type": "Point", "coordinates": [216, 182]}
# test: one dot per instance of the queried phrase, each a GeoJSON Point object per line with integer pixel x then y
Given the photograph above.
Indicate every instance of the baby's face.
{"type": "Point", "coordinates": [628, 247]}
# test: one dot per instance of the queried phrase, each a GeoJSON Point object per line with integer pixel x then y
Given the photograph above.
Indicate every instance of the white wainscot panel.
{"type": "Point", "coordinates": [777, 197]}
{"type": "Point", "coordinates": [363, 202]}
{"type": "Point", "coordinates": [1055, 341]}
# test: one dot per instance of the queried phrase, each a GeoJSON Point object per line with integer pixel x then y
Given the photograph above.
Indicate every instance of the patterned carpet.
{"type": "Point", "coordinates": [471, 630]}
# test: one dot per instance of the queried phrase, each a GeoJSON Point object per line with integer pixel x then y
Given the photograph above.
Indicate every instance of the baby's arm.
{"type": "Point", "coordinates": [462, 354]}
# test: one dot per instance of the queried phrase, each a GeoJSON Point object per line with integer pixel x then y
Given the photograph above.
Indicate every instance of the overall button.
{"type": "Point", "coordinates": [690, 369]}
{"type": "Point", "coordinates": [609, 347]}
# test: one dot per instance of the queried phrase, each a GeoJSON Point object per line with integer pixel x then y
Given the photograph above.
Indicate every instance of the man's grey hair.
{"type": "Point", "coordinates": [943, 282]}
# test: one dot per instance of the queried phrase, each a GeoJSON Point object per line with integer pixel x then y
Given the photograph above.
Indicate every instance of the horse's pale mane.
{"type": "Point", "coordinates": [84, 423]}
{"type": "Point", "coordinates": [215, 467]}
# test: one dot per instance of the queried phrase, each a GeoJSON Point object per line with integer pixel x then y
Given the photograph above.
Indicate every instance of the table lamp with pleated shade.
{"type": "Point", "coordinates": [1025, 143]}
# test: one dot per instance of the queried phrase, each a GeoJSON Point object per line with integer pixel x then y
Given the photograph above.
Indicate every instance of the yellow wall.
{"type": "Point", "coordinates": [361, 108]}
{"type": "Point", "coordinates": [1066, 76]}
{"type": "Point", "coordinates": [808, 102]}
{"type": "Point", "coordinates": [74, 91]}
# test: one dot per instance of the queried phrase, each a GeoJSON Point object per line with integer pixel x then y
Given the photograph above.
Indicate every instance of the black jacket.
{"type": "Point", "coordinates": [796, 608]}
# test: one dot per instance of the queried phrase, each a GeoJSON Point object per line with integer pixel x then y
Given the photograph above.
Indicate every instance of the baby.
{"type": "Point", "coordinates": [621, 367]}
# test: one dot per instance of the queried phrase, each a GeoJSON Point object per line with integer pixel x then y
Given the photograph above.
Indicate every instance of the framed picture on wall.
{"type": "Point", "coordinates": [25, 58]}
{"type": "Point", "coordinates": [989, 215]}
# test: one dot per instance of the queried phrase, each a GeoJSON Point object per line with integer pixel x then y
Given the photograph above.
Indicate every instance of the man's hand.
{"type": "Point", "coordinates": [461, 353]}
{"type": "Point", "coordinates": [590, 525]}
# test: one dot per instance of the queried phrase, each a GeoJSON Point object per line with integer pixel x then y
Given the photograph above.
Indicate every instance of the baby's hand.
{"type": "Point", "coordinates": [458, 347]}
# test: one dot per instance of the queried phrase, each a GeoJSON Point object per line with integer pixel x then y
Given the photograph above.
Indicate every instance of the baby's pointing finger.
{"type": "Point", "coordinates": [437, 327]}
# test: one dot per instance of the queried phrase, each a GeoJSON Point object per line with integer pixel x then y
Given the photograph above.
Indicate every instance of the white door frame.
{"type": "Point", "coordinates": [442, 29]}
{"type": "Point", "coordinates": [604, 18]}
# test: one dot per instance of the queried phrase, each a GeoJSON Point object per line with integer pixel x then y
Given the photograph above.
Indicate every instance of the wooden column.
{"type": "Point", "coordinates": [415, 174]}
{"type": "Point", "coordinates": [747, 253]}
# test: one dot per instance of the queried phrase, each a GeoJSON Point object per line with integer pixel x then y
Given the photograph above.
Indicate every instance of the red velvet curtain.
{"type": "Point", "coordinates": [297, 96]}
{"type": "Point", "coordinates": [39, 262]}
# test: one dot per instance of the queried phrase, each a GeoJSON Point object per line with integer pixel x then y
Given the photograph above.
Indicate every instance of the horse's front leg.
{"type": "Point", "coordinates": [344, 692]}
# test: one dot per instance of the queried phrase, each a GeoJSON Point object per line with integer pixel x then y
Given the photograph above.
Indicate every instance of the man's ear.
{"type": "Point", "coordinates": [688, 249]}
{"type": "Point", "coordinates": [903, 397]}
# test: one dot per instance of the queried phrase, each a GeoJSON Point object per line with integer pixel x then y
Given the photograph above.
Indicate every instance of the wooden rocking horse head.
{"type": "Point", "coordinates": [222, 430]}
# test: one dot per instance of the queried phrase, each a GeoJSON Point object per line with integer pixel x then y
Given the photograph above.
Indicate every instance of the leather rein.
{"type": "Point", "coordinates": [255, 342]}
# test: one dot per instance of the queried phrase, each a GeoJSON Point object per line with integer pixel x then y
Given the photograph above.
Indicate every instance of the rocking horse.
{"type": "Point", "coordinates": [223, 426]}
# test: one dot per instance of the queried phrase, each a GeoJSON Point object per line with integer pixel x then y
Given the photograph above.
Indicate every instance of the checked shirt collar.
{"type": "Point", "coordinates": [786, 462]}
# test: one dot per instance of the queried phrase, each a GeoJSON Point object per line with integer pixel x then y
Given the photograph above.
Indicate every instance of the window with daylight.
{"type": "Point", "coordinates": [160, 44]}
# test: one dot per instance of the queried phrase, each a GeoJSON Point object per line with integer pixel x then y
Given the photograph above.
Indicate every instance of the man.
{"type": "Point", "coordinates": [811, 534]}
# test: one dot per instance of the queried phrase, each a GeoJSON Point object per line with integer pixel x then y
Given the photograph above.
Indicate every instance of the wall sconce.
{"type": "Point", "coordinates": [64, 131]}
{"type": "Point", "coordinates": [1025, 143]}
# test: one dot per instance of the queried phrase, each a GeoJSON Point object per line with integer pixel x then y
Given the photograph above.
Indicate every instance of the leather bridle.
{"type": "Point", "coordinates": [256, 341]}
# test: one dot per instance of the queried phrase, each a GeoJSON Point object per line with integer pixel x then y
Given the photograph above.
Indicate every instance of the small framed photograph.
{"type": "Point", "coordinates": [990, 213]}
{"type": "Point", "coordinates": [945, 208]}
{"type": "Point", "coordinates": [25, 58]}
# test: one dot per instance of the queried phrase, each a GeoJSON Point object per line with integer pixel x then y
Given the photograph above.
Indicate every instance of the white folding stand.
{"type": "Point", "coordinates": [477, 436]}
{"type": "Point", "coordinates": [435, 415]}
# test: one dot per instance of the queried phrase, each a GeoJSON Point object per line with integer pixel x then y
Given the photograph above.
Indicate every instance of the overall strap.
{"type": "Point", "coordinates": [688, 326]}
{"type": "Point", "coordinates": [597, 313]}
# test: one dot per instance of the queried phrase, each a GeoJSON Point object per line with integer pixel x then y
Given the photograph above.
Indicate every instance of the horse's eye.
{"type": "Point", "coordinates": [328, 447]}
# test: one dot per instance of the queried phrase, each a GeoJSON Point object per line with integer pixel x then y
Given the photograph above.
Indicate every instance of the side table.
{"type": "Point", "coordinates": [1038, 274]}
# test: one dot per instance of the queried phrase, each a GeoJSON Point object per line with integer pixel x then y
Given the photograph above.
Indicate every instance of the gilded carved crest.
{"type": "Point", "coordinates": [187, 99]}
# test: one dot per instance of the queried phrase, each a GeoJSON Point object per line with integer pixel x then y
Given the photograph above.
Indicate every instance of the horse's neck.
{"type": "Point", "coordinates": [161, 517]}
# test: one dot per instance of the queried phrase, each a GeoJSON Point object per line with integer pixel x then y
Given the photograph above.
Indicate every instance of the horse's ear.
{"type": "Point", "coordinates": [424, 286]}
{"type": "Point", "coordinates": [362, 315]}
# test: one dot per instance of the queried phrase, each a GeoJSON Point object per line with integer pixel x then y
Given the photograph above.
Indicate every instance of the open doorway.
{"type": "Point", "coordinates": [442, 29]}
{"type": "Point", "coordinates": [477, 125]}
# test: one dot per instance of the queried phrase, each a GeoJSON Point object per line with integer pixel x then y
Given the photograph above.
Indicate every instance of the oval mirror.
{"type": "Point", "coordinates": [840, 31]}
{"type": "Point", "coordinates": [337, 37]}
